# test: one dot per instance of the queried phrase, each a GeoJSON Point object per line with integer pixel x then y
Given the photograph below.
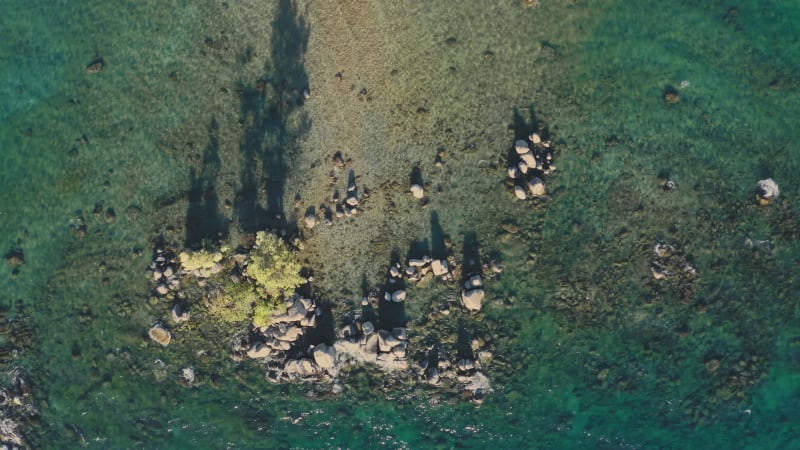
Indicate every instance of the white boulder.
{"type": "Point", "coordinates": [536, 187]}
{"type": "Point", "coordinates": [417, 191]}
{"type": "Point", "coordinates": [472, 299]}
{"type": "Point", "coordinates": [439, 267]}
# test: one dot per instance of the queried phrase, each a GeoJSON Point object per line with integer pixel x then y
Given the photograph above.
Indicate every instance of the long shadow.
{"type": "Point", "coordinates": [203, 220]}
{"type": "Point", "coordinates": [438, 246]}
{"type": "Point", "coordinates": [417, 249]}
{"type": "Point", "coordinates": [523, 128]}
{"type": "Point", "coordinates": [471, 263]}
{"type": "Point", "coordinates": [271, 130]}
{"type": "Point", "coordinates": [392, 314]}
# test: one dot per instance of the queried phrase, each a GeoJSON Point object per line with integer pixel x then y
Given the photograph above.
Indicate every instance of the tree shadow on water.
{"type": "Point", "coordinates": [203, 219]}
{"type": "Point", "coordinates": [272, 127]}
{"type": "Point", "coordinates": [471, 263]}
{"type": "Point", "coordinates": [392, 314]}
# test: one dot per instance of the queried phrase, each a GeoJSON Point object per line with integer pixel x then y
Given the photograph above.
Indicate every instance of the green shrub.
{"type": "Point", "coordinates": [234, 304]}
{"type": "Point", "coordinates": [273, 266]}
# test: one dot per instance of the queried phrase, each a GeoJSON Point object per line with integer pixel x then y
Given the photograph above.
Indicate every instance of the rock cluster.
{"type": "Point", "coordinates": [435, 370]}
{"type": "Point", "coordinates": [165, 272]}
{"type": "Point", "coordinates": [419, 271]}
{"type": "Point", "coordinates": [530, 161]}
{"type": "Point", "coordinates": [339, 206]}
{"type": "Point", "coordinates": [17, 409]}
{"type": "Point", "coordinates": [361, 342]}
{"type": "Point", "coordinates": [669, 263]}
{"type": "Point", "coordinates": [280, 344]}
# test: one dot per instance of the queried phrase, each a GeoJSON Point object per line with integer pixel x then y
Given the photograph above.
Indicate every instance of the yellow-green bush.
{"type": "Point", "coordinates": [262, 313]}
{"type": "Point", "coordinates": [273, 266]}
{"type": "Point", "coordinates": [200, 260]}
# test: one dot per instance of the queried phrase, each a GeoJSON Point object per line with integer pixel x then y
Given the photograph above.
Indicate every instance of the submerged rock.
{"type": "Point", "coordinates": [439, 267]}
{"type": "Point", "coordinates": [160, 335]}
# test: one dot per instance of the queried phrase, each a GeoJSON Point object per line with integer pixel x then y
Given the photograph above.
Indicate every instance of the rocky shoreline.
{"type": "Point", "coordinates": [297, 337]}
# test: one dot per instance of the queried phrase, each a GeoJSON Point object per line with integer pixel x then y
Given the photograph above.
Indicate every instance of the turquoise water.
{"type": "Point", "coordinates": [200, 103]}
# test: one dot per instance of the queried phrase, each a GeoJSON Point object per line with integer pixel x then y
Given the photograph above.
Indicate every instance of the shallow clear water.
{"type": "Point", "coordinates": [590, 350]}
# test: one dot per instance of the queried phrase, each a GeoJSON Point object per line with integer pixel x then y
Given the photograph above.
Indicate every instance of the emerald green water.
{"type": "Point", "coordinates": [590, 351]}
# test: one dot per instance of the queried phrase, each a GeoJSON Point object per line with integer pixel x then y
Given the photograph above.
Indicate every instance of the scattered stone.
{"type": "Point", "coordinates": [767, 191]}
{"type": "Point", "coordinates": [188, 375]}
{"type": "Point", "coordinates": [179, 315]}
{"type": "Point", "coordinates": [519, 192]}
{"type": "Point", "coordinates": [417, 191]}
{"type": "Point", "coordinates": [472, 299]}
{"type": "Point", "coordinates": [399, 296]}
{"type": "Point", "coordinates": [160, 335]}
{"type": "Point", "coordinates": [658, 272]}
{"type": "Point", "coordinates": [663, 250]}
{"type": "Point", "coordinates": [310, 220]}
